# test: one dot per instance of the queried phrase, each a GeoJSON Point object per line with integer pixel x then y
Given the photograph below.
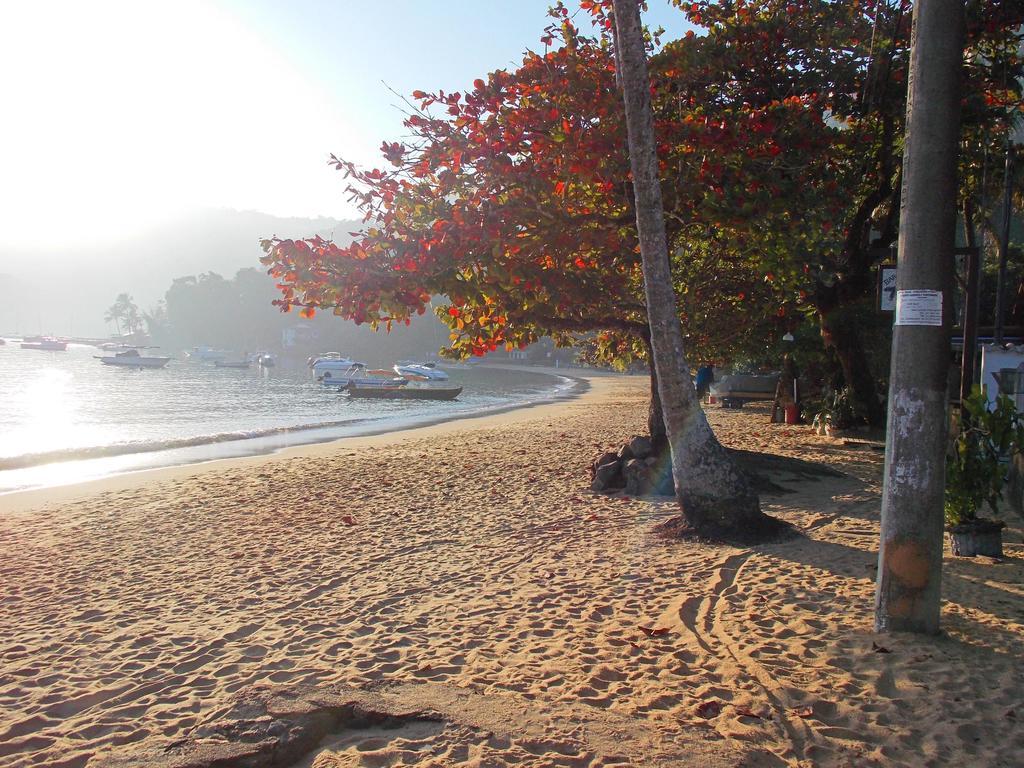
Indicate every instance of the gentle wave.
{"type": "Point", "coordinates": [148, 446]}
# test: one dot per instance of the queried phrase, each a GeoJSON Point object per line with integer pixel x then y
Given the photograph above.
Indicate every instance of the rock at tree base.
{"type": "Point", "coordinates": [641, 447]}
{"type": "Point", "coordinates": [605, 458]}
{"type": "Point", "coordinates": [636, 474]}
{"type": "Point", "coordinates": [606, 473]}
{"type": "Point", "coordinates": [760, 468]}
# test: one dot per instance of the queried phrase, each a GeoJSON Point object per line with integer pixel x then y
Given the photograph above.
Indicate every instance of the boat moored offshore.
{"type": "Point", "coordinates": [334, 368]}
{"type": "Point", "coordinates": [46, 343]}
{"type": "Point", "coordinates": [406, 391]}
{"type": "Point", "coordinates": [132, 359]}
{"type": "Point", "coordinates": [205, 354]}
{"type": "Point", "coordinates": [425, 371]}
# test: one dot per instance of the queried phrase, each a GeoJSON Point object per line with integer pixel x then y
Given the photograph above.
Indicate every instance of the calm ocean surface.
{"type": "Point", "coordinates": [65, 417]}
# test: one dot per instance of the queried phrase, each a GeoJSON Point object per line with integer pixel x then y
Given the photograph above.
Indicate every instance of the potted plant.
{"type": "Point", "coordinates": [822, 422]}
{"type": "Point", "coordinates": [837, 412]}
{"type": "Point", "coordinates": [976, 472]}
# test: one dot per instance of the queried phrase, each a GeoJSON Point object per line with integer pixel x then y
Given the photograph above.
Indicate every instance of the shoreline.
{"type": "Point", "coordinates": [119, 462]}
{"type": "Point", "coordinates": [23, 499]}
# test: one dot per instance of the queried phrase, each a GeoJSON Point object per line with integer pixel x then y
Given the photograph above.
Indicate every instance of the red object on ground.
{"type": "Point", "coordinates": [792, 414]}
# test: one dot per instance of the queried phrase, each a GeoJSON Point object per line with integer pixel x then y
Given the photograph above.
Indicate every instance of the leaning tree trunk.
{"type": "Point", "coordinates": [714, 495]}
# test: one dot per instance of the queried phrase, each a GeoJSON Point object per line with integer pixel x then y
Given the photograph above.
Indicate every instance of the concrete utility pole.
{"type": "Point", "coordinates": [910, 553]}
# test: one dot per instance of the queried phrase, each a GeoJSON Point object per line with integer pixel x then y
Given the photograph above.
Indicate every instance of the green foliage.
{"type": "Point", "coordinates": [975, 472]}
{"type": "Point", "coordinates": [124, 310]}
{"type": "Point", "coordinates": [839, 409]}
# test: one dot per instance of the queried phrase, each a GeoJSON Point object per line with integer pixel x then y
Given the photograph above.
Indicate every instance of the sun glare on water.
{"type": "Point", "coordinates": [50, 419]}
{"type": "Point", "coordinates": [48, 409]}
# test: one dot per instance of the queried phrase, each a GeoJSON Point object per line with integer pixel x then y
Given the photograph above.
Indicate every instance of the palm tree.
{"type": "Point", "coordinates": [113, 315]}
{"type": "Point", "coordinates": [132, 319]}
{"type": "Point", "coordinates": [714, 495]}
{"type": "Point", "coordinates": [125, 309]}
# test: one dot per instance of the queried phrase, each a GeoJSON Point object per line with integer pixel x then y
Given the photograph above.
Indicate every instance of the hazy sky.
{"type": "Point", "coordinates": [120, 111]}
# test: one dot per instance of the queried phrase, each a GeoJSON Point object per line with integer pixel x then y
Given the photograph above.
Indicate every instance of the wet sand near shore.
{"type": "Point", "coordinates": [467, 569]}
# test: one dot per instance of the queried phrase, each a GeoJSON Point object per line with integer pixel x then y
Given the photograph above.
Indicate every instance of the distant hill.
{"type": "Point", "coordinates": [67, 290]}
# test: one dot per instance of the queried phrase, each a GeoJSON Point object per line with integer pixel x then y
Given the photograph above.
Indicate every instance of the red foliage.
{"type": "Point", "coordinates": [514, 201]}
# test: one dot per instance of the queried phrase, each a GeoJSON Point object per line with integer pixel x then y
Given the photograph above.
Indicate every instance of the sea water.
{"type": "Point", "coordinates": [65, 417]}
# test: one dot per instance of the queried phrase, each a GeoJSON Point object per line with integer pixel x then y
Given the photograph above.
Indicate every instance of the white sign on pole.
{"type": "Point", "coordinates": [887, 287]}
{"type": "Point", "coordinates": [919, 307]}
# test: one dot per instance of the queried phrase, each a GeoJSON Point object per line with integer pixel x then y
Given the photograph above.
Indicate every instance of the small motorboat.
{"type": "Point", "coordinates": [379, 378]}
{"type": "Point", "coordinates": [361, 376]}
{"type": "Point", "coordinates": [419, 381]}
{"type": "Point", "coordinates": [132, 359]}
{"type": "Point", "coordinates": [340, 376]}
{"type": "Point", "coordinates": [264, 359]}
{"type": "Point", "coordinates": [425, 371]}
{"type": "Point", "coordinates": [231, 363]}
{"type": "Point", "coordinates": [46, 343]}
{"type": "Point", "coordinates": [336, 364]}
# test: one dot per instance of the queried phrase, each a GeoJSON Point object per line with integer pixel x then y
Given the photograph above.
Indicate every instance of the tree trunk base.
{"type": "Point", "coordinates": [756, 529]}
{"type": "Point", "coordinates": [637, 470]}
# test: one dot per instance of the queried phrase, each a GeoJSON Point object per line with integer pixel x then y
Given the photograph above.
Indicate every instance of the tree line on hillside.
{"type": "Point", "coordinates": [237, 314]}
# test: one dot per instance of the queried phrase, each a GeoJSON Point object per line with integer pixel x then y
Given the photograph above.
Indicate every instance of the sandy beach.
{"type": "Point", "coordinates": [466, 571]}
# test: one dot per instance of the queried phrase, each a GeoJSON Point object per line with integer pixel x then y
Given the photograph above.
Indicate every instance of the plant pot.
{"type": "Point", "coordinates": [977, 537]}
{"type": "Point", "coordinates": [792, 413]}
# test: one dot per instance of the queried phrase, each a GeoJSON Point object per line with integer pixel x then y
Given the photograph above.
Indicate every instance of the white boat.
{"type": "Point", "coordinates": [47, 343]}
{"type": "Point", "coordinates": [205, 354]}
{"type": "Point", "coordinates": [424, 371]}
{"type": "Point", "coordinates": [132, 359]}
{"type": "Point", "coordinates": [407, 387]}
{"type": "Point", "coordinates": [379, 381]}
{"type": "Point", "coordinates": [333, 377]}
{"type": "Point", "coordinates": [337, 365]}
{"type": "Point", "coordinates": [263, 359]}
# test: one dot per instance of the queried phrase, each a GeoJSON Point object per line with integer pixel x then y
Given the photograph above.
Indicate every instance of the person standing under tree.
{"type": "Point", "coordinates": [705, 378]}
{"type": "Point", "coordinates": [787, 393]}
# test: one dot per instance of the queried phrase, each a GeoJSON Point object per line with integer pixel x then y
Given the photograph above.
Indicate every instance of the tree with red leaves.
{"type": "Point", "coordinates": [514, 201]}
{"type": "Point", "coordinates": [778, 136]}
